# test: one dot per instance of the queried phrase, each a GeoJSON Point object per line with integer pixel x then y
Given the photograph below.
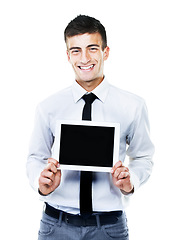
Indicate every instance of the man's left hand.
{"type": "Point", "coordinates": [121, 178]}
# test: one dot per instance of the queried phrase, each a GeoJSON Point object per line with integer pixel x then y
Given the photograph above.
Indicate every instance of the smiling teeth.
{"type": "Point", "coordinates": [86, 68]}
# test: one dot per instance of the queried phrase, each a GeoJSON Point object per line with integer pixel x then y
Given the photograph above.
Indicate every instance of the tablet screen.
{"type": "Point", "coordinates": [86, 145]}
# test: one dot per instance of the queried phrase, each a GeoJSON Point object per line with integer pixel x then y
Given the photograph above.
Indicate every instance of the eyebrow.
{"type": "Point", "coordinates": [74, 48]}
{"type": "Point", "coordinates": [91, 45]}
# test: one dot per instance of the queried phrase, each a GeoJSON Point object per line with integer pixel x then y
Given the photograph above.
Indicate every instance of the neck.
{"type": "Point", "coordinates": [89, 86]}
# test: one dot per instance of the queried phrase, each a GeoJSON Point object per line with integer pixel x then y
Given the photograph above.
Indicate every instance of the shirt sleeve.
{"type": "Point", "coordinates": [141, 149]}
{"type": "Point", "coordinates": [40, 148]}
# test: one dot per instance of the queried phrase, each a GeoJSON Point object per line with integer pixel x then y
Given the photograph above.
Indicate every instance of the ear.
{"type": "Point", "coordinates": [106, 53]}
{"type": "Point", "coordinates": [68, 55]}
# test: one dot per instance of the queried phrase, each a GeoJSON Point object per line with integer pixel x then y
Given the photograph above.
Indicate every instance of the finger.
{"type": "Point", "coordinates": [58, 172]}
{"type": "Point", "coordinates": [45, 181]}
{"type": "Point", "coordinates": [48, 174]}
{"type": "Point", "coordinates": [117, 165]}
{"type": "Point", "coordinates": [57, 178]}
{"type": "Point", "coordinates": [51, 167]}
{"type": "Point", "coordinates": [54, 161]}
{"type": "Point", "coordinates": [120, 183]}
{"type": "Point", "coordinates": [118, 171]}
{"type": "Point", "coordinates": [123, 175]}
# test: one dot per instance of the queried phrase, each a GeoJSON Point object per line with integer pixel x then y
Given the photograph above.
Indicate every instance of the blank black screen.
{"type": "Point", "coordinates": [86, 145]}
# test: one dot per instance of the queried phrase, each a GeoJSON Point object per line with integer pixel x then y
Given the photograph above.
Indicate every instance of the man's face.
{"type": "Point", "coordinates": [87, 57]}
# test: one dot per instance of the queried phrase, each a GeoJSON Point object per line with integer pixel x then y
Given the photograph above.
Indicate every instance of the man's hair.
{"type": "Point", "coordinates": [84, 24]}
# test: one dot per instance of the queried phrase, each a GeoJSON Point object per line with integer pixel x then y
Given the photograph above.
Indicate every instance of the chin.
{"type": "Point", "coordinates": [87, 80]}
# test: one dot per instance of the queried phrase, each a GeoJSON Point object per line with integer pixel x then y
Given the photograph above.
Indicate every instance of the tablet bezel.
{"type": "Point", "coordinates": [56, 147]}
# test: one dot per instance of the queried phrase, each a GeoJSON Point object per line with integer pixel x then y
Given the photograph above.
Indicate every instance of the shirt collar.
{"type": "Point", "coordinates": [100, 91]}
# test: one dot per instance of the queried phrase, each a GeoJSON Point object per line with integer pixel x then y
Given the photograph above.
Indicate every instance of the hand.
{"type": "Point", "coordinates": [121, 178]}
{"type": "Point", "coordinates": [50, 177]}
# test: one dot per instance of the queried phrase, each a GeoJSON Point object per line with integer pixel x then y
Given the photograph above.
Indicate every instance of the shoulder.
{"type": "Point", "coordinates": [125, 97]}
{"type": "Point", "coordinates": [56, 100]}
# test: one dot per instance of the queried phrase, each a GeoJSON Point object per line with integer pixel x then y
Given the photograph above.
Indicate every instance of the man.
{"type": "Point", "coordinates": [64, 215]}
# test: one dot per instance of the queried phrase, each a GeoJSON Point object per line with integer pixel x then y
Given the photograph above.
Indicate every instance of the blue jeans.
{"type": "Point", "coordinates": [54, 229]}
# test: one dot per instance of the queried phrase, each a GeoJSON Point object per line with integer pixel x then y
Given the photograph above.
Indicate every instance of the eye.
{"type": "Point", "coordinates": [75, 51]}
{"type": "Point", "coordinates": [93, 49]}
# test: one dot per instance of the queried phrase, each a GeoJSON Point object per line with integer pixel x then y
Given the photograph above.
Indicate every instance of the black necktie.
{"type": "Point", "coordinates": [86, 177]}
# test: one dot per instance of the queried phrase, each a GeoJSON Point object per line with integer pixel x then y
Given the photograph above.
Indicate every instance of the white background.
{"type": "Point", "coordinates": [33, 65]}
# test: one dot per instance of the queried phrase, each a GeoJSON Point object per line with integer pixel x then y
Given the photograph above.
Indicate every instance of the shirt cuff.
{"type": "Point", "coordinates": [134, 180]}
{"type": "Point", "coordinates": [36, 184]}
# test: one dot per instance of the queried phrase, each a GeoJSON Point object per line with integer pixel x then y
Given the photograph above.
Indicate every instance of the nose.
{"type": "Point", "coordinates": [85, 57]}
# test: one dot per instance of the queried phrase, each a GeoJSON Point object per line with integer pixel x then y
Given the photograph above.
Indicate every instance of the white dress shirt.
{"type": "Point", "coordinates": [112, 105]}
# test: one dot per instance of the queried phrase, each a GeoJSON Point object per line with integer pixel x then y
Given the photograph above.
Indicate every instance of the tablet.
{"type": "Point", "coordinates": [87, 145]}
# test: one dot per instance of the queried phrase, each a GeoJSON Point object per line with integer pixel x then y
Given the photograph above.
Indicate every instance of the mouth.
{"type": "Point", "coordinates": [86, 68]}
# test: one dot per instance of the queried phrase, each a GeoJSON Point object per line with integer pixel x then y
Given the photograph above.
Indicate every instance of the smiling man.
{"type": "Point", "coordinates": [87, 55]}
{"type": "Point", "coordinates": [89, 205]}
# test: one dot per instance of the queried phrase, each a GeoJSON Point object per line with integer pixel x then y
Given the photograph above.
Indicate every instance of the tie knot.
{"type": "Point", "coordinates": [89, 98]}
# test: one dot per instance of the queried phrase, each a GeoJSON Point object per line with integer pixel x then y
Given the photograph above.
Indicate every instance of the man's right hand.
{"type": "Point", "coordinates": [50, 177]}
